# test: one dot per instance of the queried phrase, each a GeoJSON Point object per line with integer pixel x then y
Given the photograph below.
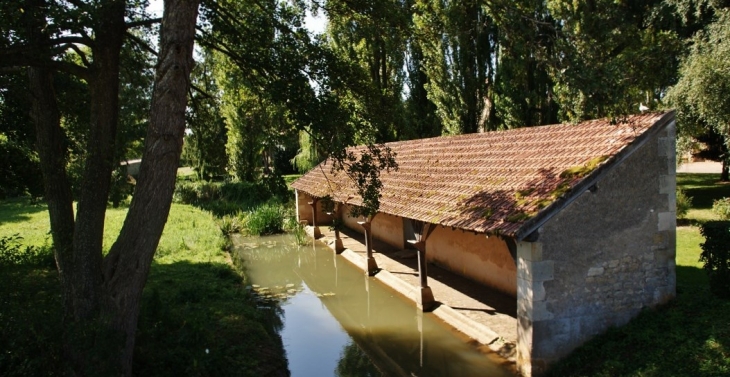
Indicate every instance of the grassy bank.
{"type": "Point", "coordinates": [689, 336]}
{"type": "Point", "coordinates": [196, 319]}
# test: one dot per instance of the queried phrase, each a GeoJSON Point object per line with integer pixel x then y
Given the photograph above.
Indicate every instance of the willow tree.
{"type": "Point", "coordinates": [701, 94]}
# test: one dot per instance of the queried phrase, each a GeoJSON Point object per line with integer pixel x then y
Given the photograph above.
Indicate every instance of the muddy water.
{"type": "Point", "coordinates": [338, 322]}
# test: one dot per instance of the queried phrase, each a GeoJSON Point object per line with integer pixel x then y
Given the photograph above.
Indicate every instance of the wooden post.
{"type": "Point", "coordinates": [425, 299]}
{"type": "Point", "coordinates": [315, 229]}
{"type": "Point", "coordinates": [336, 219]}
{"type": "Point", "coordinates": [372, 267]}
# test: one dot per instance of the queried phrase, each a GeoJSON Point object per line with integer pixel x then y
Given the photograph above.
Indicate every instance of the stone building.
{"type": "Point", "coordinates": [576, 221]}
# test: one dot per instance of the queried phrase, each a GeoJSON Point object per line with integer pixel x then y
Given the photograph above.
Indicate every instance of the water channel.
{"type": "Point", "coordinates": [339, 322]}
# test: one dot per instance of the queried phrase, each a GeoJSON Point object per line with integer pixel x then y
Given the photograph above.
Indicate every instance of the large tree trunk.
{"type": "Point", "coordinates": [127, 265]}
{"type": "Point", "coordinates": [104, 87]}
{"type": "Point", "coordinates": [49, 143]}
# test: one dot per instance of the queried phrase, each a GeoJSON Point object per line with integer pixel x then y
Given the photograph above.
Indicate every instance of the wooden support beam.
{"type": "Point", "coordinates": [425, 299]}
{"type": "Point", "coordinates": [372, 267]}
{"type": "Point", "coordinates": [337, 221]}
{"type": "Point", "coordinates": [317, 233]}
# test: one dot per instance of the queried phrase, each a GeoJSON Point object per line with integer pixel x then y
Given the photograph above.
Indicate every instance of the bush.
{"type": "Point", "coordinates": [716, 256]}
{"type": "Point", "coordinates": [229, 224]}
{"type": "Point", "coordinates": [223, 198]}
{"type": "Point", "coordinates": [721, 207]}
{"type": "Point", "coordinates": [13, 253]}
{"type": "Point", "coordinates": [265, 219]}
{"type": "Point", "coordinates": [684, 203]}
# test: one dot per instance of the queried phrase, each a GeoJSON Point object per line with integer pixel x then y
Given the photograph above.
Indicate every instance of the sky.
{"type": "Point", "coordinates": [315, 25]}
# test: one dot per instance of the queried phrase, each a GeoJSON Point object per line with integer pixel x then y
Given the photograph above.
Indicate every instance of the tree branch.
{"type": "Point", "coordinates": [141, 43]}
{"type": "Point", "coordinates": [79, 53]}
{"type": "Point", "coordinates": [84, 40]}
{"type": "Point", "coordinates": [143, 23]}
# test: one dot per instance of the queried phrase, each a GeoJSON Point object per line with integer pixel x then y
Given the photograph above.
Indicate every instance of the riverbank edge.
{"type": "Point", "coordinates": [473, 330]}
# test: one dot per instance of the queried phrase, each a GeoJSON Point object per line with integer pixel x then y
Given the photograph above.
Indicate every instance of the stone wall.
{"type": "Point", "coordinates": [602, 259]}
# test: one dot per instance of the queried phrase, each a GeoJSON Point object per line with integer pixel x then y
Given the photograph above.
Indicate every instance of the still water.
{"type": "Point", "coordinates": [339, 322]}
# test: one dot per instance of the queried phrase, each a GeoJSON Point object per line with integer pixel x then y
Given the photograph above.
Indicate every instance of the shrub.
{"type": "Point", "coordinates": [684, 203]}
{"type": "Point", "coordinates": [223, 198]}
{"type": "Point", "coordinates": [12, 253]}
{"type": "Point", "coordinates": [721, 207]}
{"type": "Point", "coordinates": [266, 219]}
{"type": "Point", "coordinates": [229, 224]}
{"type": "Point", "coordinates": [716, 256]}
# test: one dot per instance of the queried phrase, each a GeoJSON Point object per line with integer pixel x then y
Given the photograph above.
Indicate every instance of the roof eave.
{"type": "Point", "coordinates": [528, 230]}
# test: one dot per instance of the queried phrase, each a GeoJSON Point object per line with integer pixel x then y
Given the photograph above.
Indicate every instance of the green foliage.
{"type": "Point", "coordinates": [121, 187]}
{"type": "Point", "coordinates": [721, 207]}
{"type": "Point", "coordinates": [222, 198]}
{"type": "Point", "coordinates": [31, 328]}
{"type": "Point", "coordinates": [705, 76]}
{"type": "Point", "coordinates": [230, 224]}
{"type": "Point", "coordinates": [684, 203]}
{"type": "Point", "coordinates": [291, 225]}
{"type": "Point", "coordinates": [265, 219]}
{"type": "Point", "coordinates": [19, 163]}
{"type": "Point", "coordinates": [605, 53]}
{"type": "Point", "coordinates": [194, 301]}
{"type": "Point", "coordinates": [207, 126]}
{"type": "Point", "coordinates": [14, 253]}
{"type": "Point", "coordinates": [20, 169]}
{"type": "Point", "coordinates": [364, 169]}
{"type": "Point", "coordinates": [716, 256]}
{"type": "Point", "coordinates": [307, 157]}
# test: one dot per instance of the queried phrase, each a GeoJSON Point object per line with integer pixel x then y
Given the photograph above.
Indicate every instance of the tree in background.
{"type": "Point", "coordinates": [372, 36]}
{"type": "Point", "coordinates": [206, 139]}
{"type": "Point", "coordinates": [701, 94]}
{"type": "Point", "coordinates": [610, 57]}
{"type": "Point", "coordinates": [458, 50]}
{"type": "Point", "coordinates": [19, 164]}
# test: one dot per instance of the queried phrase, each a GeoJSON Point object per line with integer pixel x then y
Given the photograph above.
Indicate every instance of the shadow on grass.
{"type": "Point", "coordinates": [196, 320]}
{"type": "Point", "coordinates": [703, 188]}
{"type": "Point", "coordinates": [18, 210]}
{"type": "Point", "coordinates": [691, 276]}
{"type": "Point", "coordinates": [690, 336]}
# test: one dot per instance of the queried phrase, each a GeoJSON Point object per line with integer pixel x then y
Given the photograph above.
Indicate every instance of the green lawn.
{"type": "Point", "coordinates": [196, 318]}
{"type": "Point", "coordinates": [689, 336]}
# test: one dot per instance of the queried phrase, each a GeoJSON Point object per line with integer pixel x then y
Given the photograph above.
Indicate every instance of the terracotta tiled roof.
{"type": "Point", "coordinates": [493, 182]}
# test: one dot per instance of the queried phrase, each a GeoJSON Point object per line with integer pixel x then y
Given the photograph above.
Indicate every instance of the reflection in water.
{"type": "Point", "coordinates": [337, 321]}
{"type": "Point", "coordinates": [355, 363]}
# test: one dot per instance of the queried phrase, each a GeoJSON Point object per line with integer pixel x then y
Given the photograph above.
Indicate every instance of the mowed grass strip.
{"type": "Point", "coordinates": [196, 319]}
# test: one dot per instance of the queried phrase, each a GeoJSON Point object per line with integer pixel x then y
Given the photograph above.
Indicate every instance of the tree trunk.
{"type": "Point", "coordinates": [127, 265]}
{"type": "Point", "coordinates": [725, 175]}
{"type": "Point", "coordinates": [49, 143]}
{"type": "Point", "coordinates": [89, 230]}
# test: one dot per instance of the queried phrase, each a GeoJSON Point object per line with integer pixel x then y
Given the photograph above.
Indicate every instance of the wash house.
{"type": "Point", "coordinates": [575, 221]}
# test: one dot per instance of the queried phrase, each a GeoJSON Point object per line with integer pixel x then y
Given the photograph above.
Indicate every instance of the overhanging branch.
{"type": "Point", "coordinates": [143, 23]}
